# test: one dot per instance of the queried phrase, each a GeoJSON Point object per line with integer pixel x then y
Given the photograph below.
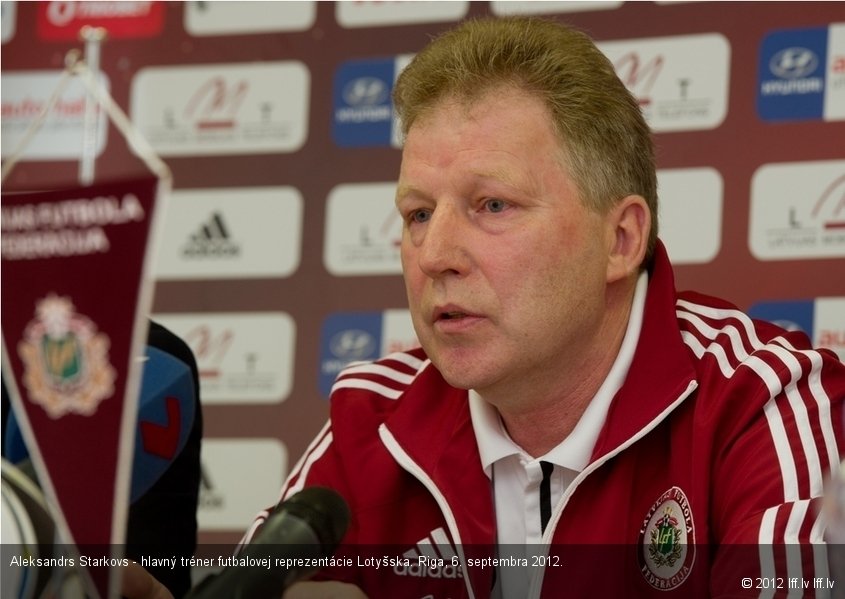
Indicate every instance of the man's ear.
{"type": "Point", "coordinates": [629, 224]}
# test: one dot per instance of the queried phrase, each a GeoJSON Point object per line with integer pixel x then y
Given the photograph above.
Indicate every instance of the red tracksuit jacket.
{"type": "Point", "coordinates": [705, 480]}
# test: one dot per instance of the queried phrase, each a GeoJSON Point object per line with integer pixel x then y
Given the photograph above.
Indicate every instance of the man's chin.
{"type": "Point", "coordinates": [463, 367]}
{"type": "Point", "coordinates": [462, 377]}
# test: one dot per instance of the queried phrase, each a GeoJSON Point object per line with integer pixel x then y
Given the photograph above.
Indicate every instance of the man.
{"type": "Point", "coordinates": [572, 424]}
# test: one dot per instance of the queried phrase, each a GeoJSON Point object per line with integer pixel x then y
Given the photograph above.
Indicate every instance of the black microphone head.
{"type": "Point", "coordinates": [324, 509]}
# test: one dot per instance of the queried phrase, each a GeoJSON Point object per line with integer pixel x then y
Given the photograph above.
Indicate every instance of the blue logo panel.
{"type": "Point", "coordinates": [791, 315]}
{"type": "Point", "coordinates": [347, 337]}
{"type": "Point", "coordinates": [363, 109]}
{"type": "Point", "coordinates": [791, 75]}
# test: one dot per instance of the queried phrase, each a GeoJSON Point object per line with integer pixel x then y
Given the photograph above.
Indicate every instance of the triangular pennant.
{"type": "Point", "coordinates": [73, 265]}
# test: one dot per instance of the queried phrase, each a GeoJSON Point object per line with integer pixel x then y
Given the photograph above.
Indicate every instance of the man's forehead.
{"type": "Point", "coordinates": [446, 116]}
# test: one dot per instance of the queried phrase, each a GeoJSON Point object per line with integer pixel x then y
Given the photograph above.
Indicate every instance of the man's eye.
{"type": "Point", "coordinates": [419, 216]}
{"type": "Point", "coordinates": [495, 205]}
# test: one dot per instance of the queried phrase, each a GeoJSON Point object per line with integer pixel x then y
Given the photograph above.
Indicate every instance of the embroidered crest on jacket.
{"type": "Point", "coordinates": [667, 541]}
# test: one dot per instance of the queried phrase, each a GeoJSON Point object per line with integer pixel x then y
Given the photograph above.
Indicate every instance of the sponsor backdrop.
{"type": "Point", "coordinates": [279, 261]}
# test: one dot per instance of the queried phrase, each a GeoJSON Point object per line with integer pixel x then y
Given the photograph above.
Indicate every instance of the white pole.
{"type": "Point", "coordinates": [93, 37]}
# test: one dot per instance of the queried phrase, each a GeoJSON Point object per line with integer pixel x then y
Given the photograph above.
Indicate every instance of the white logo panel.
{"type": "Point", "coordinates": [798, 211]}
{"type": "Point", "coordinates": [8, 20]}
{"type": "Point", "coordinates": [363, 230]}
{"type": "Point", "coordinates": [397, 332]}
{"type": "Point", "coordinates": [690, 209]}
{"type": "Point", "coordinates": [367, 13]}
{"type": "Point", "coordinates": [231, 233]}
{"type": "Point", "coordinates": [533, 7]}
{"type": "Point", "coordinates": [243, 357]}
{"type": "Point", "coordinates": [221, 18]}
{"type": "Point", "coordinates": [240, 477]}
{"type": "Point", "coordinates": [834, 91]}
{"type": "Point", "coordinates": [248, 108]}
{"type": "Point", "coordinates": [829, 324]}
{"type": "Point", "coordinates": [25, 94]}
{"type": "Point", "coordinates": [396, 138]}
{"type": "Point", "coordinates": [680, 82]}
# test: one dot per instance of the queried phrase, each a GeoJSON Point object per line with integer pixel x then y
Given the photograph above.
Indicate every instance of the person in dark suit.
{"type": "Point", "coordinates": [164, 520]}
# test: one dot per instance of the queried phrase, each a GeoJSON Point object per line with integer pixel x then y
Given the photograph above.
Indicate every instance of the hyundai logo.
{"type": "Point", "coordinates": [365, 91]}
{"type": "Point", "coordinates": [352, 344]}
{"type": "Point", "coordinates": [795, 62]}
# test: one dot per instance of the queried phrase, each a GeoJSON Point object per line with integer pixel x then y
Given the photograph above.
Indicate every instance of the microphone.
{"type": "Point", "coordinates": [166, 413]}
{"type": "Point", "coordinates": [306, 527]}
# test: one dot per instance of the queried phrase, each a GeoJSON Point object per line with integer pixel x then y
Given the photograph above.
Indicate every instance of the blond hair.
{"type": "Point", "coordinates": [605, 139]}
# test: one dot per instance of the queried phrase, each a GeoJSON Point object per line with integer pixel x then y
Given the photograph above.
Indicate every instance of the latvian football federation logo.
{"type": "Point", "coordinates": [66, 363]}
{"type": "Point", "coordinates": [667, 540]}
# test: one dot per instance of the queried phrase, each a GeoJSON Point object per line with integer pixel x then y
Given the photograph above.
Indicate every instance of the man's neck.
{"type": "Point", "coordinates": [539, 415]}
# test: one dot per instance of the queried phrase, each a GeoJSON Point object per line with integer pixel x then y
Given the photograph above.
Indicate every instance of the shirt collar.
{"type": "Point", "coordinates": [575, 450]}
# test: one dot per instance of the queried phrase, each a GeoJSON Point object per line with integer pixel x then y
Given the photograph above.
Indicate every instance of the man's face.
{"type": "Point", "coordinates": [505, 268]}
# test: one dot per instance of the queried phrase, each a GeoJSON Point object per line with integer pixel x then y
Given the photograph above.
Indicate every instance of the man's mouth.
{"type": "Point", "coordinates": [452, 315]}
{"type": "Point", "coordinates": [447, 313]}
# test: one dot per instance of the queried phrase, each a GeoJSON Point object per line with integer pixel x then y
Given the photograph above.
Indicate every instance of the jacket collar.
{"type": "Point", "coordinates": [661, 370]}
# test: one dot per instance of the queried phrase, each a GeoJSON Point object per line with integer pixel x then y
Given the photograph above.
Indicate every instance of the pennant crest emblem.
{"type": "Point", "coordinates": [66, 361]}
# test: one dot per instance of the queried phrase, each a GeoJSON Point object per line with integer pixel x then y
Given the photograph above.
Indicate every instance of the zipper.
{"type": "Point", "coordinates": [536, 584]}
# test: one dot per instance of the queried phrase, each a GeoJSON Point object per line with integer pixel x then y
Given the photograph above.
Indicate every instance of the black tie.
{"type": "Point", "coordinates": [546, 494]}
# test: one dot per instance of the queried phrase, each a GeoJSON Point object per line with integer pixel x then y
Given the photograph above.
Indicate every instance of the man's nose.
{"type": "Point", "coordinates": [444, 247]}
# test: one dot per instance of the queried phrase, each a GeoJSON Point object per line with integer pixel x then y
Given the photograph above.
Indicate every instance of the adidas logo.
{"type": "Point", "coordinates": [433, 557]}
{"type": "Point", "coordinates": [212, 240]}
{"type": "Point", "coordinates": [210, 497]}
